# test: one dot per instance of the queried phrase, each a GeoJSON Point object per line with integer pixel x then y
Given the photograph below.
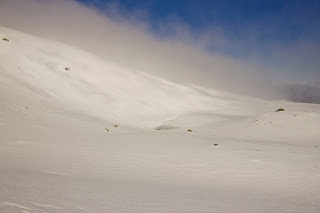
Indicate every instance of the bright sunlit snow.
{"type": "Point", "coordinates": [81, 134]}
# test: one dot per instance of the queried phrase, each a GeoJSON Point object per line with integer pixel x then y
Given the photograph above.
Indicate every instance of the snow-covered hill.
{"type": "Point", "coordinates": [99, 88]}
{"type": "Point", "coordinates": [240, 155]}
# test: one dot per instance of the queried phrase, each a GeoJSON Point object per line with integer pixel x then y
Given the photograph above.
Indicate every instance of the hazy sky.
{"type": "Point", "coordinates": [281, 35]}
{"type": "Point", "coordinates": [239, 46]}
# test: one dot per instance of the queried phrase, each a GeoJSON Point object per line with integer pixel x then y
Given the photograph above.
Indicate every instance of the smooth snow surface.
{"type": "Point", "coordinates": [56, 156]}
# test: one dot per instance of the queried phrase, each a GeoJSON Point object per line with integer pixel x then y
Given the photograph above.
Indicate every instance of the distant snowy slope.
{"type": "Point", "coordinates": [84, 83]}
{"type": "Point", "coordinates": [97, 87]}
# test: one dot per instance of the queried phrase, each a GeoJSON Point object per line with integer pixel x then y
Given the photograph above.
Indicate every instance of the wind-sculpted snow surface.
{"type": "Point", "coordinates": [240, 155]}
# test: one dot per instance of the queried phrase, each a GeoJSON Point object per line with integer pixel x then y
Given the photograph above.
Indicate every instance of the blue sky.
{"type": "Point", "coordinates": [260, 22]}
{"type": "Point", "coordinates": [279, 34]}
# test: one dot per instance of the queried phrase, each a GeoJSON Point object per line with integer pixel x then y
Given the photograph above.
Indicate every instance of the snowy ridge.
{"type": "Point", "coordinates": [99, 88]}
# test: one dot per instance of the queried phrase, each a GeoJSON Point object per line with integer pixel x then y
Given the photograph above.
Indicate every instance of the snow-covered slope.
{"type": "Point", "coordinates": [96, 87]}
{"type": "Point", "coordinates": [55, 155]}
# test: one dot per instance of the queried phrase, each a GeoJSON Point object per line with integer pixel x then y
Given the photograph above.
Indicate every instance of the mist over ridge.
{"type": "Point", "coordinates": [128, 42]}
